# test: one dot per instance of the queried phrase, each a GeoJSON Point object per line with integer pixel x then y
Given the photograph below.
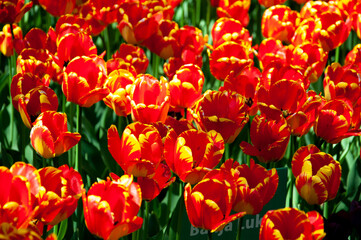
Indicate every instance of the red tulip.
{"type": "Point", "coordinates": [149, 99]}
{"type": "Point", "coordinates": [139, 151]}
{"type": "Point", "coordinates": [186, 86]}
{"type": "Point", "coordinates": [246, 84]}
{"type": "Point", "coordinates": [255, 186]}
{"type": "Point", "coordinates": [229, 29]}
{"type": "Point", "coordinates": [22, 83]}
{"type": "Point", "coordinates": [119, 84]}
{"type": "Point", "coordinates": [269, 3]}
{"type": "Point", "coordinates": [38, 62]}
{"type": "Point", "coordinates": [9, 231]}
{"type": "Point", "coordinates": [49, 135]}
{"type": "Point", "coordinates": [334, 121]}
{"type": "Point", "coordinates": [111, 207]}
{"type": "Point", "coordinates": [342, 83]}
{"type": "Point", "coordinates": [139, 20]}
{"type": "Point", "coordinates": [152, 186]}
{"type": "Point", "coordinates": [193, 153]}
{"type": "Point", "coordinates": [84, 80]}
{"type": "Point", "coordinates": [58, 8]}
{"type": "Point", "coordinates": [58, 194]}
{"type": "Point", "coordinates": [228, 57]}
{"type": "Point", "coordinates": [235, 9]}
{"type": "Point", "coordinates": [10, 40]}
{"type": "Point", "coordinates": [36, 101]}
{"type": "Point", "coordinates": [280, 22]}
{"type": "Point", "coordinates": [269, 138]}
{"type": "Point", "coordinates": [15, 199]}
{"type": "Point", "coordinates": [317, 174]}
{"type": "Point", "coordinates": [291, 223]}
{"type": "Point", "coordinates": [225, 112]}
{"type": "Point", "coordinates": [12, 11]}
{"type": "Point", "coordinates": [210, 202]}
{"type": "Point", "coordinates": [133, 55]}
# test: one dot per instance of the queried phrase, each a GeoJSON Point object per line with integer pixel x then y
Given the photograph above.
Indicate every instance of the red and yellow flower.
{"type": "Point", "coordinates": [111, 207]}
{"type": "Point", "coordinates": [22, 83]}
{"type": "Point", "coordinates": [225, 112]}
{"type": "Point", "coordinates": [269, 138]}
{"type": "Point", "coordinates": [133, 55]}
{"type": "Point", "coordinates": [228, 57]}
{"type": "Point", "coordinates": [49, 135]}
{"type": "Point", "coordinates": [186, 86]}
{"type": "Point", "coordinates": [342, 82]}
{"type": "Point", "coordinates": [210, 202]}
{"type": "Point", "coordinates": [149, 99]}
{"type": "Point", "coordinates": [84, 81]}
{"type": "Point", "coordinates": [12, 11]}
{"type": "Point", "coordinates": [269, 3]}
{"type": "Point", "coordinates": [317, 174]}
{"type": "Point", "coordinates": [255, 185]}
{"type": "Point", "coordinates": [335, 121]}
{"type": "Point", "coordinates": [280, 22]}
{"type": "Point", "coordinates": [10, 40]}
{"type": "Point", "coordinates": [119, 83]}
{"type": "Point", "coordinates": [235, 9]}
{"type": "Point", "coordinates": [152, 186]}
{"type": "Point", "coordinates": [15, 199]}
{"type": "Point", "coordinates": [229, 29]}
{"type": "Point", "coordinates": [58, 8]}
{"type": "Point", "coordinates": [139, 151]}
{"type": "Point", "coordinates": [291, 223]}
{"type": "Point", "coordinates": [58, 194]}
{"type": "Point", "coordinates": [193, 153]}
{"type": "Point", "coordinates": [36, 101]}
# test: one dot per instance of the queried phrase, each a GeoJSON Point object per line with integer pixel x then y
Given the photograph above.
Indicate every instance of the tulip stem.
{"type": "Point", "coordinates": [78, 164]}
{"type": "Point", "coordinates": [146, 219]}
{"type": "Point", "coordinates": [325, 210]}
{"type": "Point", "coordinates": [45, 231]}
{"type": "Point", "coordinates": [180, 211]}
{"type": "Point", "coordinates": [155, 64]}
{"type": "Point", "coordinates": [209, 235]}
{"type": "Point", "coordinates": [337, 54]}
{"type": "Point", "coordinates": [240, 222]}
{"type": "Point", "coordinates": [12, 65]}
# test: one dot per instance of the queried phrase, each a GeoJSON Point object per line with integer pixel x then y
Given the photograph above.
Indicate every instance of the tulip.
{"type": "Point", "coordinates": [210, 202]}
{"type": "Point", "coordinates": [58, 8]}
{"type": "Point", "coordinates": [255, 187]}
{"type": "Point", "coordinates": [13, 11]}
{"type": "Point", "coordinates": [269, 3]}
{"type": "Point", "coordinates": [15, 199]}
{"type": "Point", "coordinates": [84, 80]}
{"type": "Point", "coordinates": [334, 121]}
{"type": "Point", "coordinates": [225, 112]}
{"type": "Point", "coordinates": [7, 43]}
{"type": "Point", "coordinates": [269, 138]}
{"type": "Point", "coordinates": [119, 84]}
{"type": "Point", "coordinates": [291, 223]}
{"type": "Point", "coordinates": [193, 153]}
{"type": "Point", "coordinates": [317, 174]}
{"type": "Point", "coordinates": [10, 232]}
{"type": "Point", "coordinates": [58, 194]}
{"type": "Point", "coordinates": [186, 86]}
{"type": "Point", "coordinates": [235, 9]}
{"type": "Point", "coordinates": [133, 55]}
{"type": "Point", "coordinates": [22, 83]}
{"type": "Point", "coordinates": [228, 57]}
{"type": "Point", "coordinates": [111, 207]}
{"type": "Point", "coordinates": [36, 101]}
{"type": "Point", "coordinates": [229, 29]}
{"type": "Point", "coordinates": [280, 22]}
{"type": "Point", "coordinates": [149, 99]}
{"type": "Point", "coordinates": [139, 151]}
{"type": "Point", "coordinates": [152, 186]}
{"type": "Point", "coordinates": [49, 135]}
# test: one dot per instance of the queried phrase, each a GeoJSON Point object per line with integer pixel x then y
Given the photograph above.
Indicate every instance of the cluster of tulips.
{"type": "Point", "coordinates": [173, 128]}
